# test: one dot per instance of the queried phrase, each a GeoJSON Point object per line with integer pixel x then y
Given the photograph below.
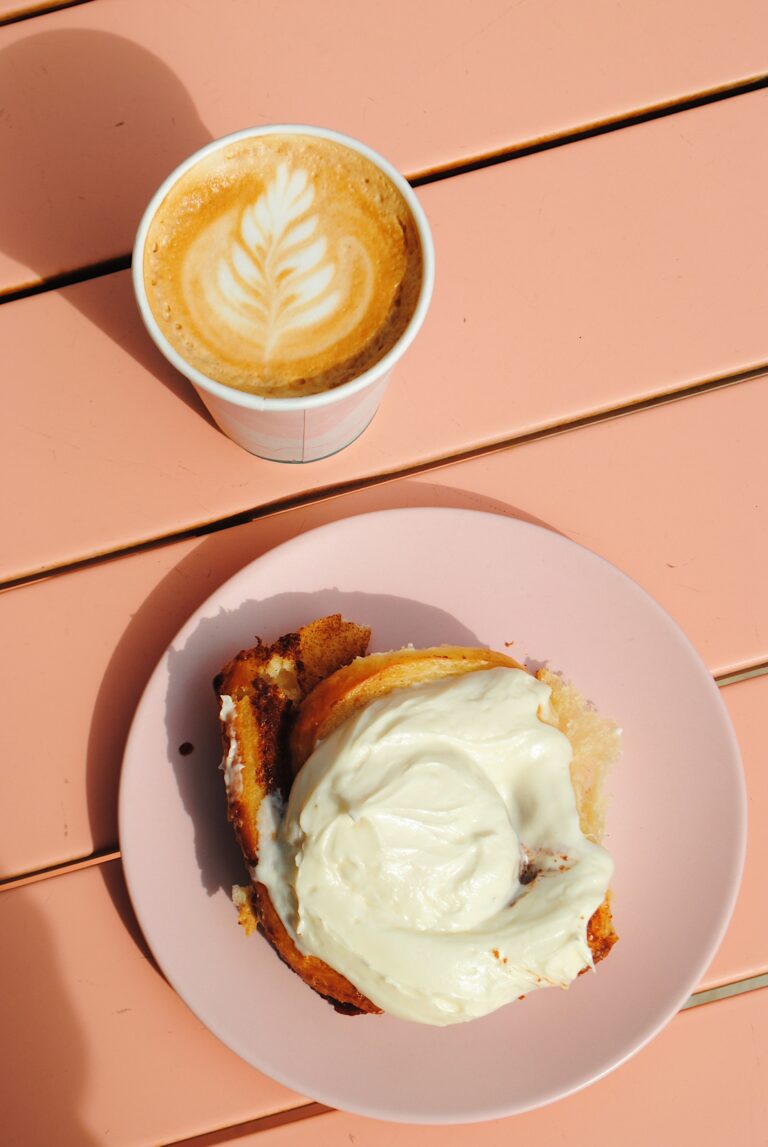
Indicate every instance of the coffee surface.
{"type": "Point", "coordinates": [283, 264]}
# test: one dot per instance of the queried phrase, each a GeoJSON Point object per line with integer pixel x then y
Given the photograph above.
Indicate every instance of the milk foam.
{"type": "Point", "coordinates": [278, 273]}
{"type": "Point", "coordinates": [284, 265]}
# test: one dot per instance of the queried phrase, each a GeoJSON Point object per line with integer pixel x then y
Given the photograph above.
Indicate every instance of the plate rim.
{"type": "Point", "coordinates": [499, 1110]}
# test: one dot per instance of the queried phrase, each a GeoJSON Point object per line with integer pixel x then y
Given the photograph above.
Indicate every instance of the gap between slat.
{"type": "Point", "coordinates": [431, 175]}
{"type": "Point", "coordinates": [42, 9]}
{"type": "Point", "coordinates": [325, 493]}
{"type": "Point", "coordinates": [758, 670]}
{"type": "Point", "coordinates": [725, 991]}
{"type": "Point", "coordinates": [100, 856]}
{"type": "Point", "coordinates": [231, 1134]}
{"type": "Point", "coordinates": [590, 131]}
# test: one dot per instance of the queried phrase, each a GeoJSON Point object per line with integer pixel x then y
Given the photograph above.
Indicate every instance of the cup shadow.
{"type": "Point", "coordinates": [91, 124]}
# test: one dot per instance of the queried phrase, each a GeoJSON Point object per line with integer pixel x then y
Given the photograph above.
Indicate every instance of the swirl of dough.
{"type": "Point", "coordinates": [399, 858]}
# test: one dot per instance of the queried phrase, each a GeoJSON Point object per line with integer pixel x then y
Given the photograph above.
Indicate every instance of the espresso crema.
{"type": "Point", "coordinates": [283, 265]}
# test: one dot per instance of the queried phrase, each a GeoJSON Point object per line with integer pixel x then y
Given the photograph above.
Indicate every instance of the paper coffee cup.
{"type": "Point", "coordinates": [306, 428]}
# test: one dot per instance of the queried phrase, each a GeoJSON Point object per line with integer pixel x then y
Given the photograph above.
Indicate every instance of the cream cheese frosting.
{"type": "Point", "coordinates": [404, 856]}
{"type": "Point", "coordinates": [232, 764]}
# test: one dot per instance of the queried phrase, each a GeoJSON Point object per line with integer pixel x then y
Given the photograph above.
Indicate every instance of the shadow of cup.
{"type": "Point", "coordinates": [90, 125]}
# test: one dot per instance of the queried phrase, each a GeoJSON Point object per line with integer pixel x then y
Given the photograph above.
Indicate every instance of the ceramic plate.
{"type": "Point", "coordinates": [676, 824]}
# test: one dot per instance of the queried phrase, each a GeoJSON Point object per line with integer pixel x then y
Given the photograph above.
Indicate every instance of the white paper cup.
{"type": "Point", "coordinates": [292, 429]}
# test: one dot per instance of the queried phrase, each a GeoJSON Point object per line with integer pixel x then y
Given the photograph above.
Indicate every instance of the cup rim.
{"type": "Point", "coordinates": [311, 401]}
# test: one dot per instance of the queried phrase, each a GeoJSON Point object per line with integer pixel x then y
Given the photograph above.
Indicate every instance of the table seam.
{"type": "Point", "coordinates": [229, 1133]}
{"type": "Point", "coordinates": [334, 490]}
{"type": "Point", "coordinates": [22, 14]}
{"type": "Point", "coordinates": [480, 162]}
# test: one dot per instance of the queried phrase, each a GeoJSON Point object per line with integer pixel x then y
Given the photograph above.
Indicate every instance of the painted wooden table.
{"type": "Point", "coordinates": [594, 359]}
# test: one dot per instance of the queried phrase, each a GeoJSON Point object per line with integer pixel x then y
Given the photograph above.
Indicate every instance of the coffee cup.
{"type": "Point", "coordinates": [284, 270]}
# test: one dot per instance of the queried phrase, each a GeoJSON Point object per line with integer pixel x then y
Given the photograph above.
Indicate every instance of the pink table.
{"type": "Point", "coordinates": [595, 186]}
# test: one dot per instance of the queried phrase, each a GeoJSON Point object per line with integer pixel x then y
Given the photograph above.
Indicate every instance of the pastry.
{"type": "Point", "coordinates": [352, 917]}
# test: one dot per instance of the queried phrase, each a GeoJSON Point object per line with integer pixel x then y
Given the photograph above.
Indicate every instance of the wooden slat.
{"type": "Point", "coordinates": [98, 1048]}
{"type": "Point", "coordinates": [569, 282]}
{"type": "Point", "coordinates": [616, 488]}
{"type": "Point", "coordinates": [701, 1081]}
{"type": "Point", "coordinates": [101, 101]}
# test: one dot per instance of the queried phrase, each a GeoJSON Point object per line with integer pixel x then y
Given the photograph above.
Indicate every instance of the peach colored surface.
{"type": "Point", "coordinates": [109, 624]}
{"type": "Point", "coordinates": [576, 281]}
{"type": "Point", "coordinates": [702, 1081]}
{"type": "Point", "coordinates": [102, 101]}
{"type": "Point", "coordinates": [567, 283]}
{"type": "Point", "coordinates": [86, 1016]}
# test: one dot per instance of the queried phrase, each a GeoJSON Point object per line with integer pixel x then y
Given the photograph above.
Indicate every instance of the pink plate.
{"type": "Point", "coordinates": [677, 822]}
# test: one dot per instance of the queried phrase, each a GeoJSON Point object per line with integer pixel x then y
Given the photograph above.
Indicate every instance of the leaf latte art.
{"type": "Point", "coordinates": [277, 275]}
{"type": "Point", "coordinates": [284, 265]}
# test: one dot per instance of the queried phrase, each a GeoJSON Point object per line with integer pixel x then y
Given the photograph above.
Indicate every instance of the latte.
{"type": "Point", "coordinates": [283, 265]}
